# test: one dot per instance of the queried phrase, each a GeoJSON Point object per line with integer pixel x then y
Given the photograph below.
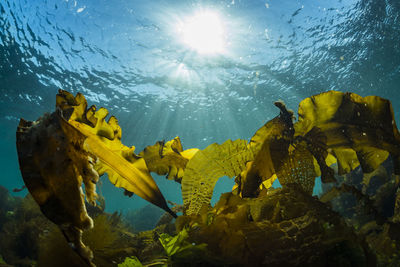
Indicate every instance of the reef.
{"type": "Point", "coordinates": [351, 142]}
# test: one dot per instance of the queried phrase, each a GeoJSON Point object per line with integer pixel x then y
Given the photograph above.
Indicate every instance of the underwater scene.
{"type": "Point", "coordinates": [199, 133]}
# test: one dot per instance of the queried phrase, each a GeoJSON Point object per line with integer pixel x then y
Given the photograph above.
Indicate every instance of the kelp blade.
{"type": "Point", "coordinates": [207, 166]}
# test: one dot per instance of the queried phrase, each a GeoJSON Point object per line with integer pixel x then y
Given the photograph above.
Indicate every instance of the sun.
{"type": "Point", "coordinates": [203, 33]}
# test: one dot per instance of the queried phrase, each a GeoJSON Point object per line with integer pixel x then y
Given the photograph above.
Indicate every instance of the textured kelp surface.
{"type": "Point", "coordinates": [207, 166]}
{"type": "Point", "coordinates": [352, 142]}
{"type": "Point", "coordinates": [287, 227]}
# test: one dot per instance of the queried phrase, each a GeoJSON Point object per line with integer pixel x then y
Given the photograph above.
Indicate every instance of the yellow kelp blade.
{"type": "Point", "coordinates": [167, 158]}
{"type": "Point", "coordinates": [133, 177]}
{"type": "Point", "coordinates": [207, 166]}
{"type": "Point", "coordinates": [102, 140]}
{"type": "Point", "coordinates": [350, 122]}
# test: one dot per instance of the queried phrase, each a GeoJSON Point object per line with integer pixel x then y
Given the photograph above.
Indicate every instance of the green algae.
{"type": "Point", "coordinates": [131, 262]}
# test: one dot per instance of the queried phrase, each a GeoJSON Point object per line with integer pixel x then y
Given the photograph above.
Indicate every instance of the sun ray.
{"type": "Point", "coordinates": [203, 32]}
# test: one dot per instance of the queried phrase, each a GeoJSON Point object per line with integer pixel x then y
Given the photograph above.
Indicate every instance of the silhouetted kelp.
{"type": "Point", "coordinates": [252, 225]}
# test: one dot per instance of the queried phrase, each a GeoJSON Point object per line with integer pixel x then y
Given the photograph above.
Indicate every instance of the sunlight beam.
{"type": "Point", "coordinates": [203, 32]}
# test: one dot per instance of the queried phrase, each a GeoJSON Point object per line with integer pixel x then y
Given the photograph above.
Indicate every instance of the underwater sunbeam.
{"type": "Point", "coordinates": [203, 32]}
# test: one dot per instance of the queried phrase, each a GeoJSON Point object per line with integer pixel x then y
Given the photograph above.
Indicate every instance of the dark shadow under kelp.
{"type": "Point", "coordinates": [352, 142]}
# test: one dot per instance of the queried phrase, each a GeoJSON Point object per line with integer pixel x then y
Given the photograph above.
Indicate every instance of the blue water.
{"type": "Point", "coordinates": [128, 57]}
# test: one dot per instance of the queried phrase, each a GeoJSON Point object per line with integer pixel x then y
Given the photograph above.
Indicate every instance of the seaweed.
{"type": "Point", "coordinates": [73, 145]}
{"type": "Point", "coordinates": [335, 131]}
{"type": "Point", "coordinates": [131, 262]}
{"type": "Point", "coordinates": [168, 158]}
{"type": "Point", "coordinates": [284, 228]}
{"type": "Point", "coordinates": [181, 252]}
{"type": "Point", "coordinates": [102, 140]}
{"type": "Point", "coordinates": [21, 233]}
{"type": "Point", "coordinates": [108, 239]}
{"type": "Point", "coordinates": [207, 166]}
{"type": "Point", "coordinates": [333, 127]}
{"type": "Point", "coordinates": [358, 130]}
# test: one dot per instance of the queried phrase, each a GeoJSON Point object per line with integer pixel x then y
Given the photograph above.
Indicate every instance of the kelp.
{"type": "Point", "coordinates": [207, 166]}
{"type": "Point", "coordinates": [74, 145]}
{"type": "Point", "coordinates": [270, 146]}
{"type": "Point", "coordinates": [254, 162]}
{"type": "Point", "coordinates": [168, 158]}
{"type": "Point", "coordinates": [53, 167]}
{"type": "Point", "coordinates": [333, 127]}
{"type": "Point", "coordinates": [286, 227]}
{"type": "Point", "coordinates": [103, 140]}
{"type": "Point", "coordinates": [2, 260]}
{"type": "Point", "coordinates": [271, 153]}
{"type": "Point", "coordinates": [298, 167]}
{"type": "Point", "coordinates": [358, 130]}
{"type": "Point", "coordinates": [21, 232]}
{"type": "Point", "coordinates": [177, 244]}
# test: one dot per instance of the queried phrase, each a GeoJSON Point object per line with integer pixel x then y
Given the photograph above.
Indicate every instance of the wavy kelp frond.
{"type": "Point", "coordinates": [272, 153]}
{"type": "Point", "coordinates": [53, 166]}
{"type": "Point", "coordinates": [207, 166]}
{"type": "Point", "coordinates": [167, 158]}
{"type": "Point", "coordinates": [270, 146]}
{"type": "Point", "coordinates": [103, 141]}
{"type": "Point", "coordinates": [359, 130]}
{"type": "Point", "coordinates": [330, 126]}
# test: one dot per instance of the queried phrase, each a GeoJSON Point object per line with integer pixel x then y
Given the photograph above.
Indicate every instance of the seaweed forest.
{"type": "Point", "coordinates": [351, 142]}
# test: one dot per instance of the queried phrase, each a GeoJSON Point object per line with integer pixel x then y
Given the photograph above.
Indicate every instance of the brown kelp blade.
{"type": "Point", "coordinates": [358, 130]}
{"type": "Point", "coordinates": [53, 167]}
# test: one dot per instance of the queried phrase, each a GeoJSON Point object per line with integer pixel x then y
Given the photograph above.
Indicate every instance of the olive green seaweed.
{"type": "Point", "coordinates": [131, 262]}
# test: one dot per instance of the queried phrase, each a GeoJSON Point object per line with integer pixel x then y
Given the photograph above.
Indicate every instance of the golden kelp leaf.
{"type": "Point", "coordinates": [167, 158]}
{"type": "Point", "coordinates": [349, 121]}
{"type": "Point", "coordinates": [103, 141]}
{"type": "Point", "coordinates": [270, 146]}
{"type": "Point", "coordinates": [173, 145]}
{"type": "Point", "coordinates": [346, 159]}
{"type": "Point", "coordinates": [207, 166]}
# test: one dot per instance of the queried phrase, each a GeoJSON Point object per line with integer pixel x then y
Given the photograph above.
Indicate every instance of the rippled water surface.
{"type": "Point", "coordinates": [128, 56]}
